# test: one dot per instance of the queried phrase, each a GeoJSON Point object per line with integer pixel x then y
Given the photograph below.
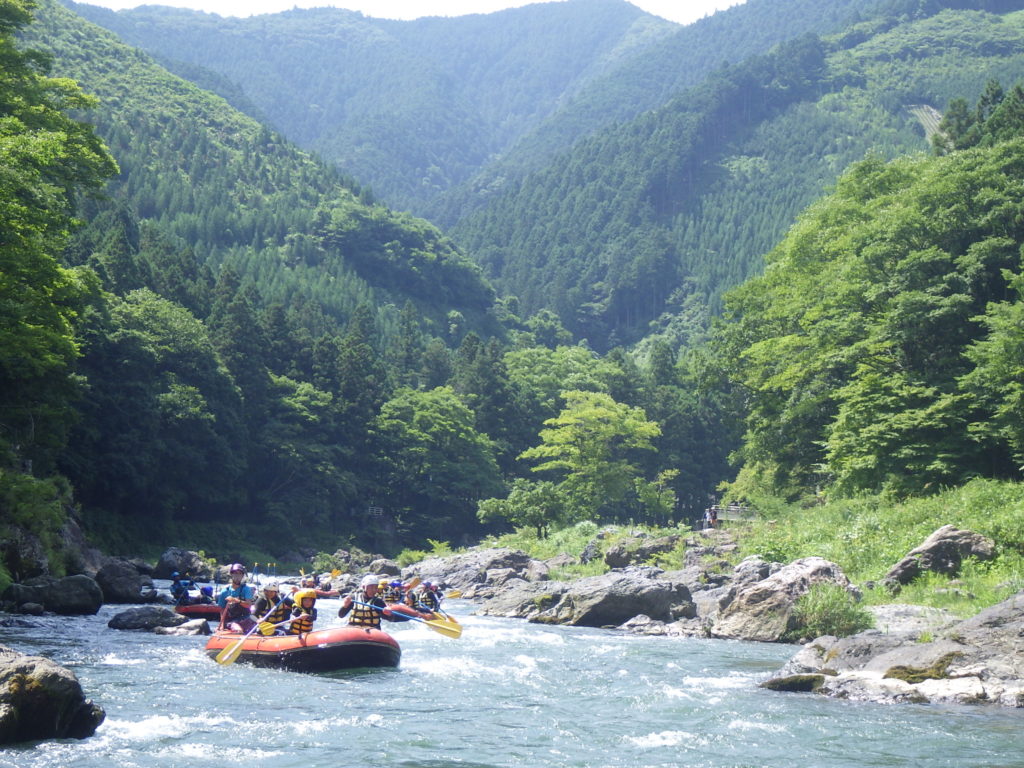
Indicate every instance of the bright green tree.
{"type": "Point", "coordinates": [590, 444]}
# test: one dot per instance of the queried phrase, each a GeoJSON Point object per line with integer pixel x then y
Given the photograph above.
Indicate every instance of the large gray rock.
{"type": "Point", "coordinates": [385, 567]}
{"type": "Point", "coordinates": [635, 550]}
{"type": "Point", "coordinates": [70, 596]}
{"type": "Point", "coordinates": [762, 610]}
{"type": "Point", "coordinates": [193, 627]}
{"type": "Point", "coordinates": [147, 617]}
{"type": "Point", "coordinates": [121, 582]}
{"type": "Point", "coordinates": [184, 561]}
{"type": "Point", "coordinates": [42, 700]}
{"type": "Point", "coordinates": [470, 568]}
{"type": "Point", "coordinates": [977, 661]}
{"type": "Point", "coordinates": [596, 601]}
{"type": "Point", "coordinates": [942, 552]}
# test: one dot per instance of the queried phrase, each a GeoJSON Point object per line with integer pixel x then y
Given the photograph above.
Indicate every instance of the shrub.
{"type": "Point", "coordinates": [828, 609]}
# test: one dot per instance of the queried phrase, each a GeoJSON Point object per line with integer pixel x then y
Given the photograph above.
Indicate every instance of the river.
{"type": "Point", "coordinates": [507, 694]}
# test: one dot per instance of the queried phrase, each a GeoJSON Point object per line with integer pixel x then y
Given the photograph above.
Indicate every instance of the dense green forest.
{"type": "Point", "coordinates": [641, 227]}
{"type": "Point", "coordinates": [211, 338]}
{"type": "Point", "coordinates": [408, 107]}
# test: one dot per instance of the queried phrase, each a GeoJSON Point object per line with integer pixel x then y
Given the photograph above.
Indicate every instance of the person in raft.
{"type": "Point", "coordinates": [326, 589]}
{"type": "Point", "coordinates": [362, 616]}
{"type": "Point", "coordinates": [272, 610]}
{"type": "Point", "coordinates": [303, 613]}
{"type": "Point", "coordinates": [426, 597]}
{"type": "Point", "coordinates": [235, 602]}
{"type": "Point", "coordinates": [180, 588]}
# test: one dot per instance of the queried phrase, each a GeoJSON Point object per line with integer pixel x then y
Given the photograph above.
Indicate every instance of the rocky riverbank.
{"type": "Point", "coordinates": [915, 654]}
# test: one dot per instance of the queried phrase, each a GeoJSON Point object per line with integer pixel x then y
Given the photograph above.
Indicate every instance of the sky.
{"type": "Point", "coordinates": [681, 11]}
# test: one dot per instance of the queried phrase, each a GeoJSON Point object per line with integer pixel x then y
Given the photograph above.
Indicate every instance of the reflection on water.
{"type": "Point", "coordinates": [507, 694]}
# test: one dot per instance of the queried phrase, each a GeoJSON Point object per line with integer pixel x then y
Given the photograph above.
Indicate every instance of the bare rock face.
{"type": "Point", "coordinates": [761, 610]}
{"type": "Point", "coordinates": [42, 700]}
{"type": "Point", "coordinates": [942, 552]}
{"type": "Point", "coordinates": [977, 661]}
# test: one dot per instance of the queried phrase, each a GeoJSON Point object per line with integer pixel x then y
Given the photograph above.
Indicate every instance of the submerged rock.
{"type": "Point", "coordinates": [193, 627]}
{"type": "Point", "coordinates": [42, 700]}
{"type": "Point", "coordinates": [977, 661]}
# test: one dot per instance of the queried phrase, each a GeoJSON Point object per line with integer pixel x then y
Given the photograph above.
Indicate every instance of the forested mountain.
{"type": "Point", "coordinates": [883, 349]}
{"type": "Point", "coordinates": [642, 226]}
{"type": "Point", "coordinates": [235, 348]}
{"type": "Point", "coordinates": [409, 107]}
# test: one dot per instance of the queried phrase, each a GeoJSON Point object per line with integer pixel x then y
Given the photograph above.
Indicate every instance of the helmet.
{"type": "Point", "coordinates": [302, 594]}
{"type": "Point", "coordinates": [395, 584]}
{"type": "Point", "coordinates": [271, 587]}
{"type": "Point", "coordinates": [369, 580]}
{"type": "Point", "coordinates": [208, 591]}
{"type": "Point", "coordinates": [236, 567]}
{"type": "Point", "coordinates": [382, 583]}
{"type": "Point", "coordinates": [175, 575]}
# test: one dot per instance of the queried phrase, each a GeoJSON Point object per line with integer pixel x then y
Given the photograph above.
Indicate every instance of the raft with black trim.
{"type": "Point", "coordinates": [322, 650]}
{"type": "Point", "coordinates": [208, 611]}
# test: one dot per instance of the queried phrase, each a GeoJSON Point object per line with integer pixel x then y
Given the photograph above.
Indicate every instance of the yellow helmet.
{"type": "Point", "coordinates": [302, 594]}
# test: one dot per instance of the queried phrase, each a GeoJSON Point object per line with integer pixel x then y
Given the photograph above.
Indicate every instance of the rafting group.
{"type": "Point", "coordinates": [272, 629]}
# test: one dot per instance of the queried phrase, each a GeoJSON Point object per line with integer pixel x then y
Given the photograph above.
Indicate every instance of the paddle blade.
{"type": "Point", "coordinates": [230, 654]}
{"type": "Point", "coordinates": [455, 594]}
{"type": "Point", "coordinates": [413, 583]}
{"type": "Point", "coordinates": [446, 628]}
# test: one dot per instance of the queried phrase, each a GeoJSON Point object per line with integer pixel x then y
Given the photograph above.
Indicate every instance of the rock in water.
{"type": "Point", "coordinates": [42, 700]}
{"type": "Point", "coordinates": [70, 596]}
{"type": "Point", "coordinates": [147, 617]}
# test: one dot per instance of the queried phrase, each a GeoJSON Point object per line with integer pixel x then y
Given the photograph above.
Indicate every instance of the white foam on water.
{"type": "Point", "coordinates": [447, 667]}
{"type": "Point", "coordinates": [160, 726]}
{"type": "Point", "coordinates": [660, 739]}
{"type": "Point", "coordinates": [753, 725]}
{"type": "Point", "coordinates": [113, 660]}
{"type": "Point", "coordinates": [718, 683]}
{"type": "Point", "coordinates": [489, 636]}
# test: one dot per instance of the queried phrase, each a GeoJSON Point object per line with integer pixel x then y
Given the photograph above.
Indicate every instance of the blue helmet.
{"type": "Point", "coordinates": [175, 575]}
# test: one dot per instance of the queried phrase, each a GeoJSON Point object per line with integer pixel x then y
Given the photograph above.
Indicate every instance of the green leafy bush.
{"type": "Point", "coordinates": [828, 609]}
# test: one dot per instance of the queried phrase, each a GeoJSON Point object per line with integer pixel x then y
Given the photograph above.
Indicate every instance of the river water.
{"type": "Point", "coordinates": [507, 694]}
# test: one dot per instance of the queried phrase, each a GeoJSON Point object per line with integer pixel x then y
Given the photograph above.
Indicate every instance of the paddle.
{"type": "Point", "coordinates": [446, 628]}
{"type": "Point", "coordinates": [230, 654]}
{"type": "Point", "coordinates": [455, 594]}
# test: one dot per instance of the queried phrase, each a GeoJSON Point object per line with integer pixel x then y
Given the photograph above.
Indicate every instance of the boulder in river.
{"type": "Point", "coordinates": [596, 601]}
{"type": "Point", "coordinates": [184, 561]}
{"type": "Point", "coordinates": [977, 661]}
{"type": "Point", "coordinates": [761, 610]}
{"type": "Point", "coordinates": [42, 700]}
{"type": "Point", "coordinates": [70, 596]}
{"type": "Point", "coordinates": [121, 582]}
{"type": "Point", "coordinates": [193, 627]}
{"type": "Point", "coordinates": [469, 569]}
{"type": "Point", "coordinates": [942, 552]}
{"type": "Point", "coordinates": [146, 617]}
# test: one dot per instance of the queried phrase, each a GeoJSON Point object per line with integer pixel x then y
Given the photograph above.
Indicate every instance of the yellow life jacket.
{"type": "Point", "coordinates": [361, 616]}
{"type": "Point", "coordinates": [303, 622]}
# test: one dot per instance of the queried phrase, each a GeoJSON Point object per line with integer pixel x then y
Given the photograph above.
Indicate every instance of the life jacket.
{"type": "Point", "coordinates": [303, 622]}
{"type": "Point", "coordinates": [361, 616]}
{"type": "Point", "coordinates": [428, 598]}
{"type": "Point", "coordinates": [236, 611]}
{"type": "Point", "coordinates": [279, 613]}
{"type": "Point", "coordinates": [392, 594]}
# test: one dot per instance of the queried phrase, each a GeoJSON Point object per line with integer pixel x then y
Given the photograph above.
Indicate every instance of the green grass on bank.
{"type": "Point", "coordinates": [865, 536]}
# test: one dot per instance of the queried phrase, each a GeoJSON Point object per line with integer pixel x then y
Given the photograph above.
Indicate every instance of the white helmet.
{"type": "Point", "coordinates": [368, 579]}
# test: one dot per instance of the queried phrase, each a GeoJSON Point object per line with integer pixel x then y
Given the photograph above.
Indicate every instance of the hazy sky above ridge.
{"type": "Point", "coordinates": [681, 11]}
